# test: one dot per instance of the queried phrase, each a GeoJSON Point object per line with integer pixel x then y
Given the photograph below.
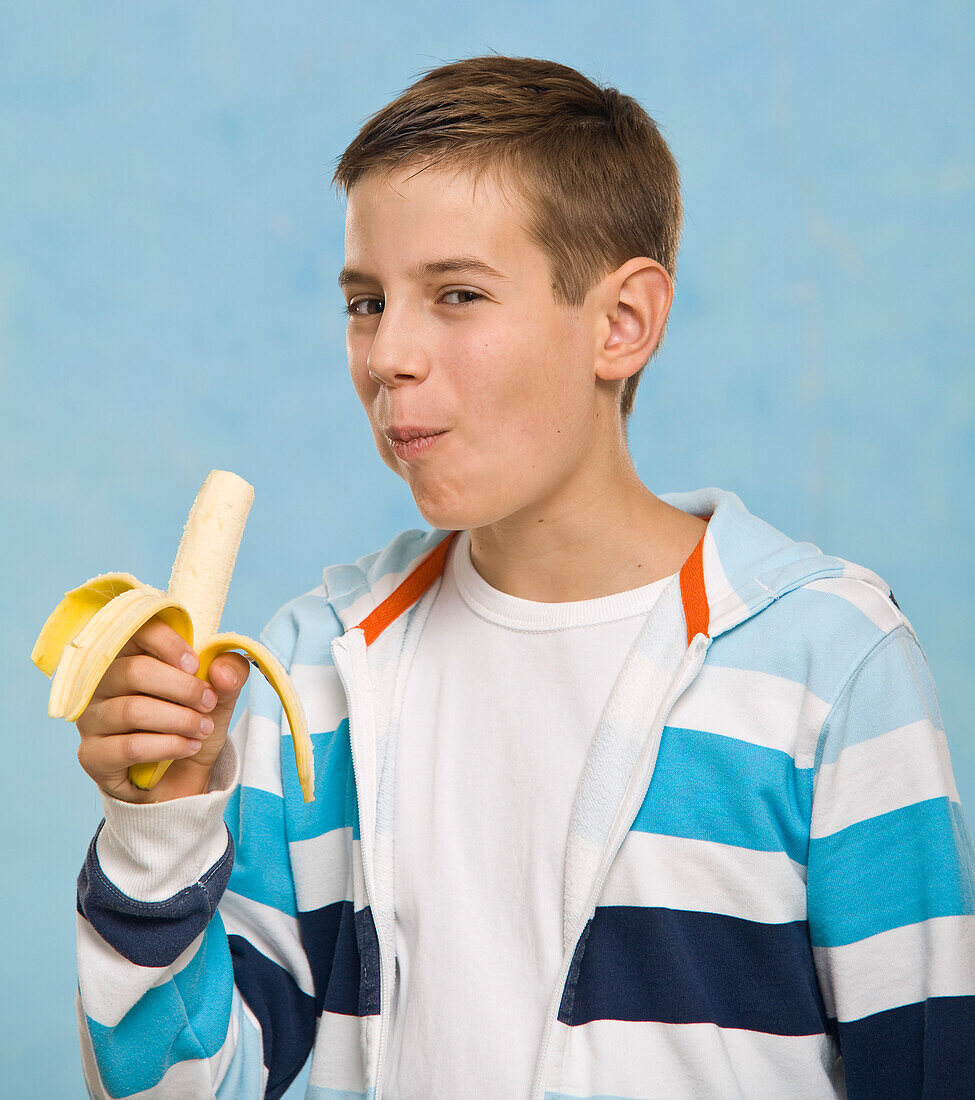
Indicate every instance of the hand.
{"type": "Point", "coordinates": [148, 707]}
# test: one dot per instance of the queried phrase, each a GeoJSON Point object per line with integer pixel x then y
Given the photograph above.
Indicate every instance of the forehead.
{"type": "Point", "coordinates": [435, 210]}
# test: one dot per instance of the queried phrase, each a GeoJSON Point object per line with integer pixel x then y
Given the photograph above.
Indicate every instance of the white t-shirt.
{"type": "Point", "coordinates": [502, 700]}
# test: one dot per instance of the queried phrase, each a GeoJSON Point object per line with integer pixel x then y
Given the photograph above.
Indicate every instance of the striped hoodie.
{"type": "Point", "coordinates": [768, 881]}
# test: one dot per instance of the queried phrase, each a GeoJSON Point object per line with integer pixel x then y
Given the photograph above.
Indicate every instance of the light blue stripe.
{"type": "Point", "coordinates": [347, 583]}
{"type": "Point", "coordinates": [317, 624]}
{"type": "Point", "coordinates": [770, 642]}
{"type": "Point", "coordinates": [301, 632]}
{"type": "Point", "coordinates": [749, 548]}
{"type": "Point", "coordinates": [335, 802]}
{"type": "Point", "coordinates": [398, 555]}
{"type": "Point", "coordinates": [709, 787]}
{"type": "Point", "coordinates": [262, 865]}
{"type": "Point", "coordinates": [186, 1017]}
{"type": "Point", "coordinates": [601, 1096]}
{"type": "Point", "coordinates": [242, 1081]}
{"type": "Point", "coordinates": [892, 689]}
{"type": "Point", "coordinates": [896, 869]}
{"type": "Point", "coordinates": [316, 1093]}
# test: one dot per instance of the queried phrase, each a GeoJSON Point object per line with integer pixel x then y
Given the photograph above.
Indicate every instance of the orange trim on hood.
{"type": "Point", "coordinates": [693, 593]}
{"type": "Point", "coordinates": [407, 593]}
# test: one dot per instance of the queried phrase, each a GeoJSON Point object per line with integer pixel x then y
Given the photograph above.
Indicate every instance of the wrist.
{"type": "Point", "coordinates": [151, 851]}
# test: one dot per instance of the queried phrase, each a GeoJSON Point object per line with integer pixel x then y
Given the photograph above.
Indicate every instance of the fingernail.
{"type": "Point", "coordinates": [189, 662]}
{"type": "Point", "coordinates": [194, 746]}
{"type": "Point", "coordinates": [206, 726]}
{"type": "Point", "coordinates": [209, 698]}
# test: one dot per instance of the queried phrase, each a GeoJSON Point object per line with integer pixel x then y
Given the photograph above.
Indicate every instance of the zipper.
{"type": "Point", "coordinates": [690, 671]}
{"type": "Point", "coordinates": [367, 867]}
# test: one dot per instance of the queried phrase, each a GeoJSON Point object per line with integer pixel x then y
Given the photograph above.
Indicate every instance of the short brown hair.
{"type": "Point", "coordinates": [599, 183]}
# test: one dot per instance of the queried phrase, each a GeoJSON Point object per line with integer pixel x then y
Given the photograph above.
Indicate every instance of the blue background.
{"type": "Point", "coordinates": [169, 243]}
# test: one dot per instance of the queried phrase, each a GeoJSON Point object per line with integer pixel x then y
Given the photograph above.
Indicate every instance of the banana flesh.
{"type": "Point", "coordinates": [91, 624]}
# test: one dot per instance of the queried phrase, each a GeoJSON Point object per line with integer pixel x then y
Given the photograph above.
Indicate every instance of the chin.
{"type": "Point", "coordinates": [444, 519]}
{"type": "Point", "coordinates": [447, 512]}
{"type": "Point", "coordinates": [465, 515]}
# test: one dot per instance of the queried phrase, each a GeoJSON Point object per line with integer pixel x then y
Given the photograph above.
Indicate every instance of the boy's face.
{"type": "Point", "coordinates": [486, 358]}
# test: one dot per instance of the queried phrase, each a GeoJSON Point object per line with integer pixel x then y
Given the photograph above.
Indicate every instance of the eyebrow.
{"type": "Point", "coordinates": [427, 271]}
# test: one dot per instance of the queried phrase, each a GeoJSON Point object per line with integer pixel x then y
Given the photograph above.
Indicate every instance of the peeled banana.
{"type": "Point", "coordinates": [91, 624]}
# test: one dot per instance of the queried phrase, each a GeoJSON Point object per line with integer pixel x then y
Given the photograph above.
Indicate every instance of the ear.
{"type": "Point", "coordinates": [633, 304]}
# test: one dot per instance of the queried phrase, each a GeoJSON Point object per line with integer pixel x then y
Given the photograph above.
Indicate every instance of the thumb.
{"type": "Point", "coordinates": [227, 676]}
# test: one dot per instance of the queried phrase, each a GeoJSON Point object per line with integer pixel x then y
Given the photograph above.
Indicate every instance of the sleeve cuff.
{"type": "Point", "coordinates": [151, 851]}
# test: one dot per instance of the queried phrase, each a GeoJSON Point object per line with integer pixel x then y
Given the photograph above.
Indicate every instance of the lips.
{"type": "Point", "coordinates": [404, 435]}
{"type": "Point", "coordinates": [409, 443]}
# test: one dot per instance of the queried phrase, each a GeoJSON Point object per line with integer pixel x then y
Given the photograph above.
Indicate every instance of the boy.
{"type": "Point", "coordinates": [618, 795]}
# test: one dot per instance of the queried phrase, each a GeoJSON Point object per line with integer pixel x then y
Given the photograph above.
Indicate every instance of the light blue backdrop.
{"type": "Point", "coordinates": [168, 250]}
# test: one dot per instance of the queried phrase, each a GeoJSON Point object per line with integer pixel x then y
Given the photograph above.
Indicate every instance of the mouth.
{"type": "Point", "coordinates": [411, 442]}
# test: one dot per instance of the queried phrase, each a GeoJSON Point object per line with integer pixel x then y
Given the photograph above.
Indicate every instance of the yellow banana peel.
{"type": "Point", "coordinates": [91, 624]}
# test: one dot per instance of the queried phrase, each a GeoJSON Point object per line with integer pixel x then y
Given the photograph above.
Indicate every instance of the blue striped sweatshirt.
{"type": "Point", "coordinates": [768, 880]}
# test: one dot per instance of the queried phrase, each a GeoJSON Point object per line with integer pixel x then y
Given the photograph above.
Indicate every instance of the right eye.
{"type": "Point", "coordinates": [353, 310]}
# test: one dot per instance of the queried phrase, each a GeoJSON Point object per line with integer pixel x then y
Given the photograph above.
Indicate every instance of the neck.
{"type": "Point", "coordinates": [607, 535]}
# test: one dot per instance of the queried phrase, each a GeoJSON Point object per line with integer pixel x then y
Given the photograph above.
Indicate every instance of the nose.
{"type": "Point", "coordinates": [396, 355]}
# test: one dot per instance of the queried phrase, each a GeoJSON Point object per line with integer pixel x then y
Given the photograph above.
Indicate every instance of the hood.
{"type": "Point", "coordinates": [748, 563]}
{"type": "Point", "coordinates": [743, 565]}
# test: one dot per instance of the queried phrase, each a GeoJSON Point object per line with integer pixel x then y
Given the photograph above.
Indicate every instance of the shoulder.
{"type": "Point", "coordinates": [815, 634]}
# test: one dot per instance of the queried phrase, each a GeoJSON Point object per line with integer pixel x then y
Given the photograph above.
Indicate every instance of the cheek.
{"type": "Point", "coordinates": [356, 354]}
{"type": "Point", "coordinates": [524, 388]}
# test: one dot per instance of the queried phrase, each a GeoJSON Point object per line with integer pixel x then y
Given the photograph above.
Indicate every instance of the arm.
{"type": "Point", "coordinates": [890, 886]}
{"type": "Point", "coordinates": [178, 997]}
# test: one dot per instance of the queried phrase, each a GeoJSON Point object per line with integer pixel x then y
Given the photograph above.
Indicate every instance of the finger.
{"type": "Point", "coordinates": [229, 672]}
{"type": "Point", "coordinates": [107, 757]}
{"type": "Point", "coordinates": [141, 674]}
{"type": "Point", "coordinates": [159, 640]}
{"type": "Point", "coordinates": [131, 713]}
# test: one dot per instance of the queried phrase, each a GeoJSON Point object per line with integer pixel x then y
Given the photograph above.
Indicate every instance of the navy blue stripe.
{"type": "Point", "coordinates": [368, 941]}
{"type": "Point", "coordinates": [150, 933]}
{"type": "Point", "coordinates": [336, 941]}
{"type": "Point", "coordinates": [285, 1013]}
{"type": "Point", "coordinates": [682, 967]}
{"type": "Point", "coordinates": [925, 1049]}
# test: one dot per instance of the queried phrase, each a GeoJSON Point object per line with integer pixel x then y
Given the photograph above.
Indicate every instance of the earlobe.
{"type": "Point", "coordinates": [637, 299]}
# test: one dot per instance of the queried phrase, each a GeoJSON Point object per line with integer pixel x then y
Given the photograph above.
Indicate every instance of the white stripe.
{"type": "Point", "coordinates": [359, 899]}
{"type": "Point", "coordinates": [706, 877]}
{"type": "Point", "coordinates": [322, 870]}
{"type": "Point", "coordinates": [336, 1058]}
{"type": "Point", "coordinates": [934, 958]}
{"type": "Point", "coordinates": [868, 600]}
{"type": "Point", "coordinates": [258, 743]}
{"type": "Point", "coordinates": [757, 707]}
{"type": "Point", "coordinates": [694, 1062]}
{"type": "Point", "coordinates": [897, 769]}
{"type": "Point", "coordinates": [151, 851]}
{"type": "Point", "coordinates": [322, 696]}
{"type": "Point", "coordinates": [111, 984]}
{"type": "Point", "coordinates": [275, 934]}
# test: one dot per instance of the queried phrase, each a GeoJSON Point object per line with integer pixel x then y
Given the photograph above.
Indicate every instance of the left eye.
{"type": "Point", "coordinates": [352, 309]}
{"type": "Point", "coordinates": [474, 296]}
